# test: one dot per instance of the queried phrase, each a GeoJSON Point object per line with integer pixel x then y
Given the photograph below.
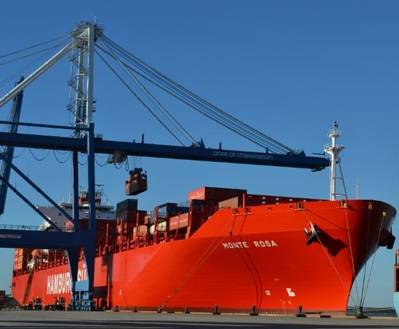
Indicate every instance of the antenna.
{"type": "Point", "coordinates": [357, 188]}
{"type": "Point", "coordinates": [333, 151]}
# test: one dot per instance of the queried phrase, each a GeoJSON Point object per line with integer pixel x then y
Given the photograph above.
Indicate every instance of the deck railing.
{"type": "Point", "coordinates": [24, 227]}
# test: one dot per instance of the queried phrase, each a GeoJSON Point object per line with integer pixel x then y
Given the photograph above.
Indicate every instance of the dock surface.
{"type": "Point", "coordinates": [59, 319]}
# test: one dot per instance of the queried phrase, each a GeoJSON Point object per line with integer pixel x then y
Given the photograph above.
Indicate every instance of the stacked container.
{"type": "Point", "coordinates": [21, 258]}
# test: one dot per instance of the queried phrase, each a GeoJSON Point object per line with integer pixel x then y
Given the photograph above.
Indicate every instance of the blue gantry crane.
{"type": "Point", "coordinates": [86, 40]}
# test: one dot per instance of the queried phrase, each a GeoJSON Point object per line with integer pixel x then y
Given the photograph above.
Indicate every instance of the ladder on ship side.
{"type": "Point", "coordinates": [28, 286]}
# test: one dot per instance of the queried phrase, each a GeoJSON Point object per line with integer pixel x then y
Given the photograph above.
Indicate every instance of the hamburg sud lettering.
{"type": "Point", "coordinates": [245, 244]}
{"type": "Point", "coordinates": [60, 283]}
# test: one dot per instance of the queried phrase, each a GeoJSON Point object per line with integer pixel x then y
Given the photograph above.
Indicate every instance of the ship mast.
{"type": "Point", "coordinates": [334, 151]}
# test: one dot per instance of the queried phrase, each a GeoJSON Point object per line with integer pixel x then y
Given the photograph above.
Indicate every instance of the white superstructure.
{"type": "Point", "coordinates": [103, 211]}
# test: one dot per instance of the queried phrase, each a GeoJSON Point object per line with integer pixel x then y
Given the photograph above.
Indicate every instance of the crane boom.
{"type": "Point", "coordinates": [164, 151]}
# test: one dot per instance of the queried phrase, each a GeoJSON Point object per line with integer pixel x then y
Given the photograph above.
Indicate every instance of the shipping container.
{"type": "Point", "coordinates": [140, 231]}
{"type": "Point", "coordinates": [214, 193]}
{"type": "Point", "coordinates": [126, 205]}
{"type": "Point", "coordinates": [2, 298]}
{"type": "Point", "coordinates": [137, 182]}
{"type": "Point", "coordinates": [126, 216]}
{"type": "Point", "coordinates": [165, 210]}
{"type": "Point", "coordinates": [21, 258]}
{"type": "Point", "coordinates": [178, 222]}
{"type": "Point", "coordinates": [234, 202]}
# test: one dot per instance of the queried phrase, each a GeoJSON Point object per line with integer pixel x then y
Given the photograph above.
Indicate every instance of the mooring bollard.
{"type": "Point", "coordinates": [186, 310]}
{"type": "Point", "coordinates": [216, 310]}
{"type": "Point", "coordinates": [254, 311]}
{"type": "Point", "coordinates": [300, 314]}
{"type": "Point", "coordinates": [360, 314]}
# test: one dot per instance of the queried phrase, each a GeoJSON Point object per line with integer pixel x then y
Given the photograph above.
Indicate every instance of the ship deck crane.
{"type": "Point", "coordinates": [86, 40]}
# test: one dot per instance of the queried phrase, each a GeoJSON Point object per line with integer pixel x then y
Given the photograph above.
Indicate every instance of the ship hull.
{"type": "Point", "coordinates": [237, 260]}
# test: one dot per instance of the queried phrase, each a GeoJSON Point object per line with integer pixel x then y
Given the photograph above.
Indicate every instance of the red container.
{"type": "Point", "coordinates": [127, 215]}
{"type": "Point", "coordinates": [178, 221]}
{"type": "Point", "coordinates": [21, 258]}
{"type": "Point", "coordinates": [140, 231]}
{"type": "Point", "coordinates": [136, 183]}
{"type": "Point", "coordinates": [214, 193]}
{"type": "Point", "coordinates": [231, 203]}
{"type": "Point", "coordinates": [141, 217]}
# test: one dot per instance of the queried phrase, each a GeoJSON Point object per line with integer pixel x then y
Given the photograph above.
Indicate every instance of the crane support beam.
{"type": "Point", "coordinates": [10, 238]}
{"type": "Point", "coordinates": [163, 151]}
{"type": "Point", "coordinates": [8, 153]}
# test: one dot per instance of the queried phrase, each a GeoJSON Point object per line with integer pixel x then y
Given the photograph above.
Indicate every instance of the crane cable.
{"type": "Point", "coordinates": [139, 98]}
{"type": "Point", "coordinates": [190, 100]}
{"type": "Point", "coordinates": [363, 292]}
{"type": "Point", "coordinates": [20, 71]}
{"type": "Point", "coordinates": [59, 160]}
{"type": "Point", "coordinates": [123, 81]}
{"type": "Point", "coordinates": [32, 46]}
{"type": "Point", "coordinates": [152, 98]}
{"type": "Point", "coordinates": [196, 108]}
{"type": "Point", "coordinates": [9, 61]}
{"type": "Point", "coordinates": [357, 302]}
{"type": "Point", "coordinates": [202, 111]}
{"type": "Point", "coordinates": [365, 280]}
{"type": "Point", "coordinates": [333, 265]}
{"type": "Point", "coordinates": [158, 75]}
{"type": "Point", "coordinates": [373, 260]}
{"type": "Point", "coordinates": [215, 110]}
{"type": "Point", "coordinates": [38, 158]}
{"type": "Point", "coordinates": [248, 261]}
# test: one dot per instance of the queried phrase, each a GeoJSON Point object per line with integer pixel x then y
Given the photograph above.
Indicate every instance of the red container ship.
{"type": "Point", "coordinates": [225, 249]}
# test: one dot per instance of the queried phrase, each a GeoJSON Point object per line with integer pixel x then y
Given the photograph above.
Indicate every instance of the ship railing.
{"type": "Point", "coordinates": [22, 227]}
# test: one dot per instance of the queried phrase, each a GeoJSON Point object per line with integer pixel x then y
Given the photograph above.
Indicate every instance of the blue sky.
{"type": "Point", "coordinates": [289, 68]}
